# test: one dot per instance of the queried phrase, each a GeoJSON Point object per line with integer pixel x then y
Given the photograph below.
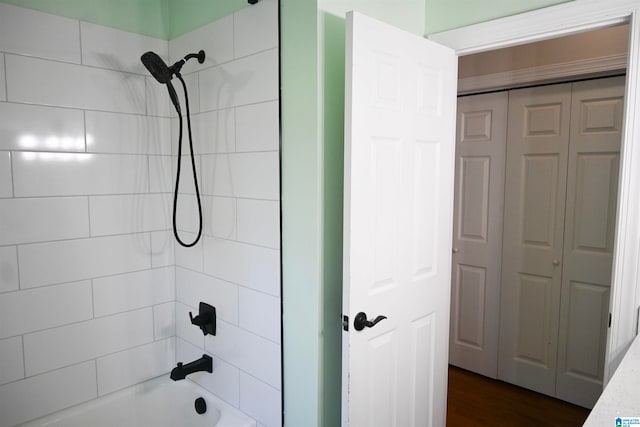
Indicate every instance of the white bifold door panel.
{"type": "Point", "coordinates": [399, 154]}
{"type": "Point", "coordinates": [592, 187]}
{"type": "Point", "coordinates": [561, 187]}
{"type": "Point", "coordinates": [535, 192]}
{"type": "Point", "coordinates": [481, 138]}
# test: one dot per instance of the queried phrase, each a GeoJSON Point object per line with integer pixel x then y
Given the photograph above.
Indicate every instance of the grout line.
{"type": "Point", "coordinates": [129, 113]}
{"type": "Point", "coordinates": [47, 372]}
{"type": "Point", "coordinates": [84, 108]}
{"type": "Point", "coordinates": [5, 82]}
{"type": "Point", "coordinates": [153, 322]}
{"type": "Point", "coordinates": [64, 62]}
{"type": "Point", "coordinates": [148, 173]}
{"type": "Point", "coordinates": [13, 181]}
{"type": "Point", "coordinates": [93, 301]}
{"type": "Point", "coordinates": [77, 322]}
{"type": "Point", "coordinates": [227, 281]}
{"type": "Point", "coordinates": [80, 41]}
{"type": "Point", "coordinates": [84, 125]}
{"type": "Point", "coordinates": [95, 368]}
{"type": "Point", "coordinates": [89, 215]}
{"type": "Point", "coordinates": [24, 359]}
{"type": "Point", "coordinates": [146, 100]}
{"type": "Point", "coordinates": [66, 107]}
{"type": "Point", "coordinates": [68, 282]}
{"type": "Point", "coordinates": [18, 267]}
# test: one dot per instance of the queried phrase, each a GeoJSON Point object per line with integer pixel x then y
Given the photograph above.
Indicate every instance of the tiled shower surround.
{"type": "Point", "coordinates": [94, 292]}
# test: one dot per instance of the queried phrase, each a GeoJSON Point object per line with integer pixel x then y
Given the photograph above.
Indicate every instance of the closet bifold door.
{"type": "Point", "coordinates": [535, 190]}
{"type": "Point", "coordinates": [477, 232]}
{"type": "Point", "coordinates": [592, 187]}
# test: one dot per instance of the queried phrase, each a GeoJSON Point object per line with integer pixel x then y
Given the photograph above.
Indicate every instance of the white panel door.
{"type": "Point", "coordinates": [592, 188]}
{"type": "Point", "coordinates": [477, 232]}
{"type": "Point", "coordinates": [399, 153]}
{"type": "Point", "coordinates": [535, 189]}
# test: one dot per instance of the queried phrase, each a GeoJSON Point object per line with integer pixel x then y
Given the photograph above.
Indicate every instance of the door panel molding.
{"type": "Point", "coordinates": [477, 237]}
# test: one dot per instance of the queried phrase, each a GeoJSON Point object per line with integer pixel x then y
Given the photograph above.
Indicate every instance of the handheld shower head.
{"type": "Point", "coordinates": [157, 67]}
{"type": "Point", "coordinates": [163, 74]}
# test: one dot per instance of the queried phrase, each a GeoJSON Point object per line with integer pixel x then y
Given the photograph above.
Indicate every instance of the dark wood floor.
{"type": "Point", "coordinates": [477, 401]}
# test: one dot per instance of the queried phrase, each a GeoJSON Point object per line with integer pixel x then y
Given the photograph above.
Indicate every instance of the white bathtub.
{"type": "Point", "coordinates": [159, 403]}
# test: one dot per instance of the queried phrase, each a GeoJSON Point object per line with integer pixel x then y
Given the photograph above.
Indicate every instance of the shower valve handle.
{"type": "Point", "coordinates": [206, 319]}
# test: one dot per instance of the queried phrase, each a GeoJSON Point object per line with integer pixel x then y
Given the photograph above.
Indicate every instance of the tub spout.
{"type": "Point", "coordinates": [205, 363]}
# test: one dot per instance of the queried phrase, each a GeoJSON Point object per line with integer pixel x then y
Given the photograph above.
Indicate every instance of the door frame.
{"type": "Point", "coordinates": [561, 20]}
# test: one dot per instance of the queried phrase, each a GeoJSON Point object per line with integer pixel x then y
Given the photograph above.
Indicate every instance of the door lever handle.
{"type": "Point", "coordinates": [360, 321]}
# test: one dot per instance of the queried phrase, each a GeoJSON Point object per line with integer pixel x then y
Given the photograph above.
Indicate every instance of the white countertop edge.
{"type": "Point", "coordinates": [621, 397]}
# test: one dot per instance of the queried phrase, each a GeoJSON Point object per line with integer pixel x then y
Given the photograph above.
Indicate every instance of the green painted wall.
{"type": "Point", "coordinates": [301, 214]}
{"type": "Point", "coordinates": [442, 15]}
{"type": "Point", "coordinates": [405, 14]}
{"type": "Point", "coordinates": [148, 17]}
{"type": "Point", "coordinates": [331, 31]}
{"type": "Point", "coordinates": [187, 15]}
{"type": "Point", "coordinates": [165, 19]}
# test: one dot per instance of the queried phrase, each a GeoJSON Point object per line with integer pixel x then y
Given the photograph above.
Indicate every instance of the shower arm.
{"type": "Point", "coordinates": [175, 68]}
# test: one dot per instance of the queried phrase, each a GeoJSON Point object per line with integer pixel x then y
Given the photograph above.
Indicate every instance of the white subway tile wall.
{"type": "Point", "coordinates": [259, 222]}
{"type": "Point", "coordinates": [18, 399]}
{"type": "Point", "coordinates": [191, 80]}
{"type": "Point", "coordinates": [162, 249]}
{"type": "Point", "coordinates": [57, 347]}
{"type": "Point", "coordinates": [260, 401]}
{"type": "Point", "coordinates": [45, 307]}
{"type": "Point", "coordinates": [251, 353]}
{"type": "Point", "coordinates": [264, 322]}
{"type": "Point", "coordinates": [126, 133]}
{"type": "Point", "coordinates": [39, 81]}
{"type": "Point", "coordinates": [129, 213]}
{"type": "Point", "coordinates": [255, 267]}
{"type": "Point", "coordinates": [157, 100]}
{"type": "Point", "coordinates": [8, 269]}
{"type": "Point", "coordinates": [67, 260]}
{"type": "Point", "coordinates": [27, 32]}
{"type": "Point", "coordinates": [32, 127]}
{"type": "Point", "coordinates": [258, 127]}
{"type": "Point", "coordinates": [6, 180]}
{"type": "Point", "coordinates": [87, 276]}
{"type": "Point", "coordinates": [124, 292]}
{"type": "Point", "coordinates": [213, 132]}
{"type": "Point", "coordinates": [86, 180]}
{"type": "Point", "coordinates": [161, 174]}
{"type": "Point", "coordinates": [253, 33]}
{"type": "Point", "coordinates": [71, 174]}
{"type": "Point", "coordinates": [184, 328]}
{"type": "Point", "coordinates": [244, 175]}
{"type": "Point", "coordinates": [193, 287]}
{"type": "Point", "coordinates": [219, 216]}
{"type": "Point", "coordinates": [240, 82]}
{"type": "Point", "coordinates": [126, 368]}
{"type": "Point", "coordinates": [216, 39]}
{"type": "Point", "coordinates": [43, 219]}
{"type": "Point", "coordinates": [117, 50]}
{"type": "Point", "coordinates": [164, 320]}
{"type": "Point", "coordinates": [237, 265]}
{"type": "Point", "coordinates": [12, 360]}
